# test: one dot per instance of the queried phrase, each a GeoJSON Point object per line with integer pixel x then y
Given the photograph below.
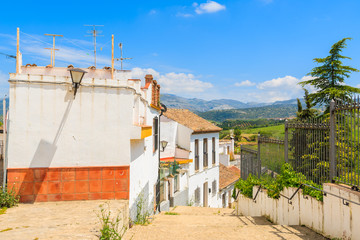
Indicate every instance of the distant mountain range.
{"type": "Point", "coordinates": [200, 105]}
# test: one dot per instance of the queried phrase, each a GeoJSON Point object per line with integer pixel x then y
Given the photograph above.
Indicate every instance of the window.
{"type": "Point", "coordinates": [205, 156]}
{"type": "Point", "coordinates": [213, 151]}
{"type": "Point", "coordinates": [197, 195]}
{"type": "Point", "coordinates": [196, 155]}
{"type": "Point", "coordinates": [156, 133]}
{"type": "Point", "coordinates": [213, 190]}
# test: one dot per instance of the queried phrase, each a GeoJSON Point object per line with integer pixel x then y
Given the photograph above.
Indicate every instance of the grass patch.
{"type": "Point", "coordinates": [171, 213]}
{"type": "Point", "coordinates": [3, 210]}
{"type": "Point", "coordinates": [272, 131]}
{"type": "Point", "coordinates": [6, 229]}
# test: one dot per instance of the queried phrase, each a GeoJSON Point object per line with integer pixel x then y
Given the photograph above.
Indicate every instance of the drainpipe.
{"type": "Point", "coordinates": [4, 150]}
{"type": "Point", "coordinates": [162, 110]}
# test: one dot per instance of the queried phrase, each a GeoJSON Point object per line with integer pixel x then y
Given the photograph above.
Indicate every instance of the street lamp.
{"type": "Point", "coordinates": [77, 75]}
{"type": "Point", "coordinates": [164, 144]}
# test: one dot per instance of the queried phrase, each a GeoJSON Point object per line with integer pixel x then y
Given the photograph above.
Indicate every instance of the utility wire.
{"type": "Point", "coordinates": [36, 38]}
{"type": "Point", "coordinates": [77, 45]}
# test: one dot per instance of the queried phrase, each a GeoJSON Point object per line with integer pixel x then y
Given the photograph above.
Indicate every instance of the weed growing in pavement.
{"type": "Point", "coordinates": [142, 213]}
{"type": "Point", "coordinates": [110, 226]}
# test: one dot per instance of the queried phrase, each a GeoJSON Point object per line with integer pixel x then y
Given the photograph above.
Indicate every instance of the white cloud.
{"type": "Point", "coordinates": [208, 7]}
{"type": "Point", "coordinates": [245, 83]}
{"type": "Point", "coordinates": [280, 89]}
{"type": "Point", "coordinates": [176, 83]}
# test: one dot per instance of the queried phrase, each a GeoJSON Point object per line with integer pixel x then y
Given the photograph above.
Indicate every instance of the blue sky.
{"type": "Point", "coordinates": [248, 50]}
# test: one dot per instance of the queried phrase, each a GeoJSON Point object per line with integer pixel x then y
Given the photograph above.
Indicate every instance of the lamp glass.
{"type": "Point", "coordinates": [164, 144]}
{"type": "Point", "coordinates": [76, 76]}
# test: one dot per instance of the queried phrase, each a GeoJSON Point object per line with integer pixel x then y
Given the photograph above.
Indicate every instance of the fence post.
{"type": "Point", "coordinates": [332, 141]}
{"type": "Point", "coordinates": [258, 156]}
{"type": "Point", "coordinates": [286, 142]}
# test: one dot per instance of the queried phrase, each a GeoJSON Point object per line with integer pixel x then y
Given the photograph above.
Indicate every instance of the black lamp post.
{"type": "Point", "coordinates": [77, 75]}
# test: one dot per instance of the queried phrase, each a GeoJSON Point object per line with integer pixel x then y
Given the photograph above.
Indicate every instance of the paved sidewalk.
{"type": "Point", "coordinates": [56, 220]}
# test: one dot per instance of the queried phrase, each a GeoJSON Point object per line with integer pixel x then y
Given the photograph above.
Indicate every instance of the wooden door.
{"type": "Point", "coordinates": [205, 195]}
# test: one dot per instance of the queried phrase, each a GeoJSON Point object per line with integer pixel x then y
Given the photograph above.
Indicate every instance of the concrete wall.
{"type": "Point", "coordinates": [331, 217]}
{"type": "Point", "coordinates": [181, 198]}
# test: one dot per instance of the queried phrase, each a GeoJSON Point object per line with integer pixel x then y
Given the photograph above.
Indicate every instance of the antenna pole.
{"type": "Point", "coordinates": [94, 33]}
{"type": "Point", "coordinates": [112, 56]}
{"type": "Point", "coordinates": [18, 51]}
{"type": "Point", "coordinates": [53, 49]}
{"type": "Point", "coordinates": [121, 56]}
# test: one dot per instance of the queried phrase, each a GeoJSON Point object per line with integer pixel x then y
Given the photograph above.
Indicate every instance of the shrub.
{"type": "Point", "coordinates": [8, 198]}
{"type": "Point", "coordinates": [287, 178]}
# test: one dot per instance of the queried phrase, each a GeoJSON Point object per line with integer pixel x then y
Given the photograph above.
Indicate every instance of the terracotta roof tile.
{"type": "Point", "coordinates": [191, 120]}
{"type": "Point", "coordinates": [228, 175]}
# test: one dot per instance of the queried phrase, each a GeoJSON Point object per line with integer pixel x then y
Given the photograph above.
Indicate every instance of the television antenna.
{"type": "Point", "coordinates": [53, 49]}
{"type": "Point", "coordinates": [94, 33]}
{"type": "Point", "coordinates": [121, 56]}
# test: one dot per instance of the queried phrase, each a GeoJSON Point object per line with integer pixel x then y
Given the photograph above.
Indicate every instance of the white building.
{"type": "Point", "coordinates": [229, 175]}
{"type": "Point", "coordinates": [193, 142]}
{"type": "Point", "coordinates": [100, 144]}
{"type": "Point", "coordinates": [226, 150]}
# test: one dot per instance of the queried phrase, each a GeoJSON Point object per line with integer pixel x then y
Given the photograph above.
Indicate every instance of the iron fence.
{"type": "Point", "coordinates": [308, 148]}
{"type": "Point", "coordinates": [271, 155]}
{"type": "Point", "coordinates": [323, 150]}
{"type": "Point", "coordinates": [347, 128]}
{"type": "Point", "coordinates": [250, 163]}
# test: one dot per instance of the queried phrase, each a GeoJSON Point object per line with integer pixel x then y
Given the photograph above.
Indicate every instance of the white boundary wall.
{"type": "Point", "coordinates": [331, 217]}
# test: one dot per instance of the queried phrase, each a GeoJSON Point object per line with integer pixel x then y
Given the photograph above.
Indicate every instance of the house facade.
{"type": "Point", "coordinates": [99, 144]}
{"type": "Point", "coordinates": [193, 143]}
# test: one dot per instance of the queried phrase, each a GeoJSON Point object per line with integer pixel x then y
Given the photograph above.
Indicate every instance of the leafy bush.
{"type": "Point", "coordinates": [287, 178]}
{"type": "Point", "coordinates": [8, 198]}
{"type": "Point", "coordinates": [110, 226]}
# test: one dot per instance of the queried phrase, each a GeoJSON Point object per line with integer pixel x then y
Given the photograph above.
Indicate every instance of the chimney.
{"type": "Point", "coordinates": [148, 78]}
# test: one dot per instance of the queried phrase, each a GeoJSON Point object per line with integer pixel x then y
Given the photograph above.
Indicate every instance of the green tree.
{"type": "Point", "coordinates": [329, 77]}
{"type": "Point", "coordinates": [237, 134]}
{"type": "Point", "coordinates": [309, 112]}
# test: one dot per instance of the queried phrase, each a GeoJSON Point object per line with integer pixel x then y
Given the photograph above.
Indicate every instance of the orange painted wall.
{"type": "Point", "coordinates": [67, 184]}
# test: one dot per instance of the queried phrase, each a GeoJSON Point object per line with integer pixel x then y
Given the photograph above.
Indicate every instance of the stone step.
{"type": "Point", "coordinates": [206, 231]}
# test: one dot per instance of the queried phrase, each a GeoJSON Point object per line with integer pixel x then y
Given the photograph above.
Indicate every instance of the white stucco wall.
{"type": "Point", "coordinates": [143, 170]}
{"type": "Point", "coordinates": [48, 128]}
{"type": "Point", "coordinates": [168, 132]}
